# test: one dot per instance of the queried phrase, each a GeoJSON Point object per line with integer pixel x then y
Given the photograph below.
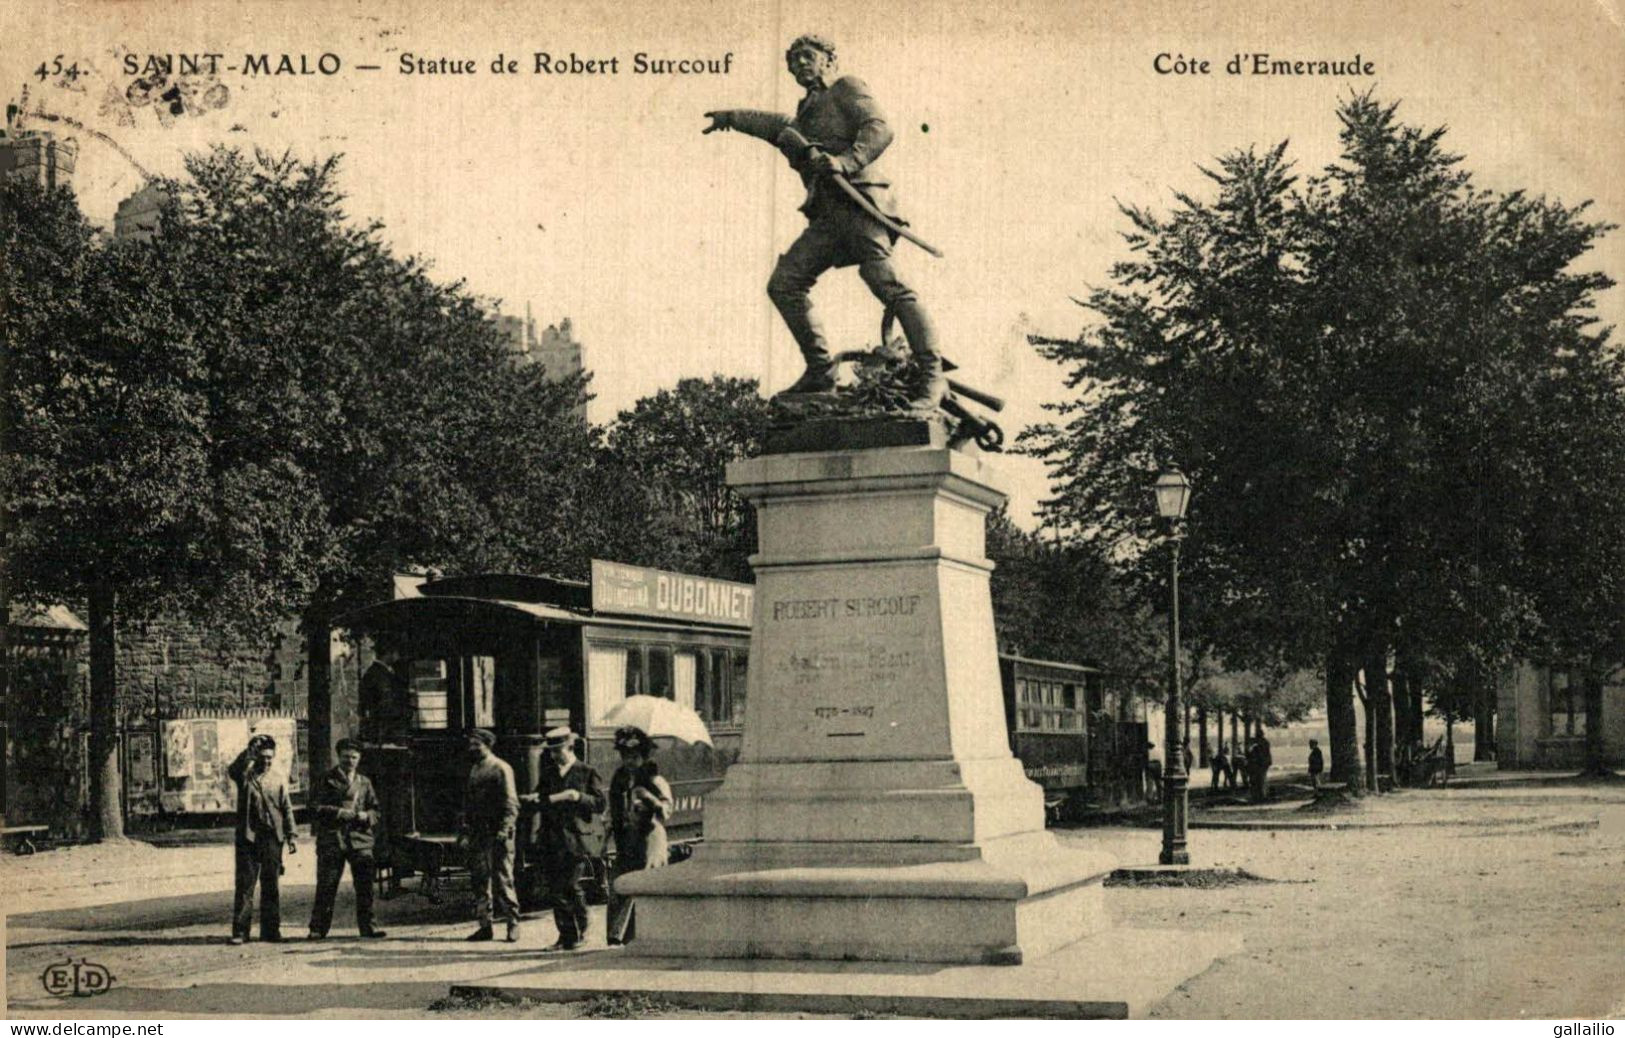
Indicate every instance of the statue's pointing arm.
{"type": "Point", "coordinates": [871, 135]}
{"type": "Point", "coordinates": [766, 125]}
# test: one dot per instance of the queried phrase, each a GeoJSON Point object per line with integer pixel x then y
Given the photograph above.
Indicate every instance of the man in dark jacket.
{"type": "Point", "coordinates": [264, 826]}
{"type": "Point", "coordinates": [570, 797]}
{"type": "Point", "coordinates": [1317, 763]}
{"type": "Point", "coordinates": [345, 822]}
{"type": "Point", "coordinates": [490, 815]}
{"type": "Point", "coordinates": [1259, 761]}
{"type": "Point", "coordinates": [841, 120]}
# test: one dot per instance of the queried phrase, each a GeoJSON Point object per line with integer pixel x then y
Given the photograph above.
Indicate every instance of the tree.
{"type": "Point", "coordinates": [669, 454]}
{"type": "Point", "coordinates": [386, 400]}
{"type": "Point", "coordinates": [104, 448]}
{"type": "Point", "coordinates": [1353, 374]}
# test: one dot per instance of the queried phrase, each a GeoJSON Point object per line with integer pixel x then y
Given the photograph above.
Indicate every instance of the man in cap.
{"type": "Point", "coordinates": [264, 826]}
{"type": "Point", "coordinates": [840, 119]}
{"type": "Point", "coordinates": [345, 821]}
{"type": "Point", "coordinates": [490, 811]}
{"type": "Point", "coordinates": [570, 797]}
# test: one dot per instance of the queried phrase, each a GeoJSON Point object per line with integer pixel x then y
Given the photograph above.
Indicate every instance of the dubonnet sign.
{"type": "Point", "coordinates": [638, 591]}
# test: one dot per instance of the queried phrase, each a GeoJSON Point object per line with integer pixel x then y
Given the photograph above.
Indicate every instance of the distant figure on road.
{"type": "Point", "coordinates": [1258, 766]}
{"type": "Point", "coordinates": [1221, 765]}
{"type": "Point", "coordinates": [264, 826]}
{"type": "Point", "coordinates": [1190, 758]}
{"type": "Point", "coordinates": [1153, 773]}
{"type": "Point", "coordinates": [490, 816]}
{"type": "Point", "coordinates": [345, 823]}
{"type": "Point", "coordinates": [640, 800]}
{"type": "Point", "coordinates": [1317, 763]}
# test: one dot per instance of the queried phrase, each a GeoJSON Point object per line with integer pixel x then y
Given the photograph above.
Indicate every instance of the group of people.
{"type": "Point", "coordinates": [1254, 765]}
{"type": "Point", "coordinates": [345, 819]}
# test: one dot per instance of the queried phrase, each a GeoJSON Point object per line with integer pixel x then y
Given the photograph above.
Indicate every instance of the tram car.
{"type": "Point", "coordinates": [520, 655]}
{"type": "Point", "coordinates": [1075, 734]}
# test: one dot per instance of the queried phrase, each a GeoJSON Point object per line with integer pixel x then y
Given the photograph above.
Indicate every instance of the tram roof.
{"type": "Point", "coordinates": [403, 611]}
{"type": "Point", "coordinates": [1056, 664]}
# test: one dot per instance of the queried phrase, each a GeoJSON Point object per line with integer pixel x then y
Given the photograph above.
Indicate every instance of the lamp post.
{"type": "Point", "coordinates": [1173, 493]}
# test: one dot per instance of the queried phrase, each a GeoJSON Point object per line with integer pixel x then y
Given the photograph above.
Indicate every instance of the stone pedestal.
{"type": "Point", "coordinates": [876, 811]}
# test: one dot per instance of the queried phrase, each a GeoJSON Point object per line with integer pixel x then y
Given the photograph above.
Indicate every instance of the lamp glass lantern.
{"type": "Point", "coordinates": [1173, 494]}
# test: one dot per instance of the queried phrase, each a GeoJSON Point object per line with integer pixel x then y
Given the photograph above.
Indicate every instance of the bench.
{"type": "Point", "coordinates": [20, 838]}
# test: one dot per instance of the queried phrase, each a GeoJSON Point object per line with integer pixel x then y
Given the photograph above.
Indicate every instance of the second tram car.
{"type": "Point", "coordinates": [1074, 733]}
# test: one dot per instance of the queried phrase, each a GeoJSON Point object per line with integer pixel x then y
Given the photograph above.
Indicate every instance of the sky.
{"type": "Point", "coordinates": [1019, 128]}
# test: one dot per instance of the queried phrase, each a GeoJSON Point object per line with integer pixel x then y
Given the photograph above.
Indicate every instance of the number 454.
{"type": "Point", "coordinates": [54, 67]}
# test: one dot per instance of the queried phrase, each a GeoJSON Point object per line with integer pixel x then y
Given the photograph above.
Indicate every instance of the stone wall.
{"type": "Point", "coordinates": [171, 666]}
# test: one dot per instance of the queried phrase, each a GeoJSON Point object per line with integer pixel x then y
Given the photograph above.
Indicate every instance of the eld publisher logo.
{"type": "Point", "coordinates": [78, 979]}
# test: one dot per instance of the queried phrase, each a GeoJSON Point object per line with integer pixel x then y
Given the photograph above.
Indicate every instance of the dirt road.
{"type": "Point", "coordinates": [1501, 902]}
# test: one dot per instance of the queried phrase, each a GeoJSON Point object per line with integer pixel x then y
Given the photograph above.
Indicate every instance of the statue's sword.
{"type": "Point", "coordinates": [860, 199]}
{"type": "Point", "coordinates": [891, 225]}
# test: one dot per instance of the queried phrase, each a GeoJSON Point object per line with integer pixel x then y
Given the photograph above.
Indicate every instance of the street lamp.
{"type": "Point", "coordinates": [1173, 493]}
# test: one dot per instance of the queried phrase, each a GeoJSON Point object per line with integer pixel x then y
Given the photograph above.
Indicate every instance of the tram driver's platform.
{"type": "Point", "coordinates": [1111, 974]}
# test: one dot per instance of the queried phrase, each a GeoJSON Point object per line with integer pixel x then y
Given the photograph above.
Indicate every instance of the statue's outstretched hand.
{"type": "Point", "coordinates": [719, 121]}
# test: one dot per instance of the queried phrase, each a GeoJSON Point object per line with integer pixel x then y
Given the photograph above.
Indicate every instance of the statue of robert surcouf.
{"type": "Point", "coordinates": [833, 141]}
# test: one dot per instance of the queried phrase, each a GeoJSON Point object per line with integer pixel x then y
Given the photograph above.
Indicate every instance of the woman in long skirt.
{"type": "Point", "coordinates": [640, 801]}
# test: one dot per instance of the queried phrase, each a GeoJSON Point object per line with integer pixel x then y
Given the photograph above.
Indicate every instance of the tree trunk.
{"type": "Point", "coordinates": [1370, 745]}
{"type": "Point", "coordinates": [1340, 722]}
{"type": "Point", "coordinates": [1595, 766]}
{"type": "Point", "coordinates": [1235, 739]}
{"type": "Point", "coordinates": [106, 781]}
{"type": "Point", "coordinates": [1400, 689]}
{"type": "Point", "coordinates": [1418, 708]}
{"type": "Point", "coordinates": [1376, 688]}
{"type": "Point", "coordinates": [1204, 755]}
{"type": "Point", "coordinates": [319, 692]}
{"type": "Point", "coordinates": [1484, 720]}
{"type": "Point", "coordinates": [1450, 738]}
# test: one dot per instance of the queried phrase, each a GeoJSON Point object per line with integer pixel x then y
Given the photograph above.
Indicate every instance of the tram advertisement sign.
{"type": "Point", "coordinates": [640, 591]}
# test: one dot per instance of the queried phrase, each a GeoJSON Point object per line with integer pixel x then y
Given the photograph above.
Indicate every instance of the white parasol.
{"type": "Point", "coordinates": [659, 718]}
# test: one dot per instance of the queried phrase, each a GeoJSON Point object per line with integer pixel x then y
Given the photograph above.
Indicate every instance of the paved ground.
{"type": "Point", "coordinates": [1502, 901]}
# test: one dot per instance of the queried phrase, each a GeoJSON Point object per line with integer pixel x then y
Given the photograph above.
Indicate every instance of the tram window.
{"type": "Point", "coordinates": [736, 687]}
{"type": "Point", "coordinates": [719, 709]}
{"type": "Point", "coordinates": [683, 673]}
{"type": "Point", "coordinates": [606, 679]}
{"type": "Point", "coordinates": [636, 683]}
{"type": "Point", "coordinates": [1069, 696]}
{"type": "Point", "coordinates": [660, 671]}
{"type": "Point", "coordinates": [428, 695]}
{"type": "Point", "coordinates": [483, 672]}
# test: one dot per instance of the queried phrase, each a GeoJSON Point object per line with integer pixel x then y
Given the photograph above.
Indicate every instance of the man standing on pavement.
{"type": "Point", "coordinates": [345, 822]}
{"type": "Point", "coordinates": [839, 118]}
{"type": "Point", "coordinates": [1317, 763]}
{"type": "Point", "coordinates": [1220, 764]}
{"type": "Point", "coordinates": [490, 814]}
{"type": "Point", "coordinates": [264, 826]}
{"type": "Point", "coordinates": [1260, 760]}
{"type": "Point", "coordinates": [570, 796]}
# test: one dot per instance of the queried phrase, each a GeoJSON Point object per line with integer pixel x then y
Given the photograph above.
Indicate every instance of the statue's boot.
{"type": "Point", "coordinates": [789, 295]}
{"type": "Point", "coordinates": [818, 378]}
{"type": "Point", "coordinates": [930, 384]}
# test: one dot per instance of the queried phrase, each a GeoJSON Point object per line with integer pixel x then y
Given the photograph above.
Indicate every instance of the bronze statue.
{"type": "Point", "coordinates": [834, 141]}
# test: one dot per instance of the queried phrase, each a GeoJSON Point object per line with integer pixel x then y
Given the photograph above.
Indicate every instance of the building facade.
{"type": "Point", "coordinates": [1541, 711]}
